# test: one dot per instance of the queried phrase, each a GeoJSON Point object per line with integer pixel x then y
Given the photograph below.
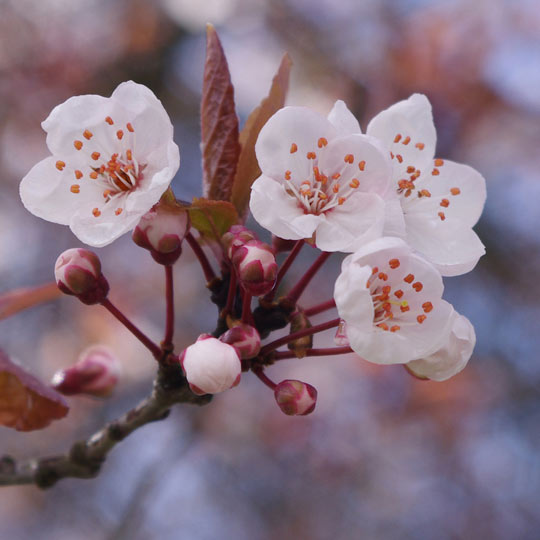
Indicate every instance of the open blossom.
{"type": "Point", "coordinates": [441, 200]}
{"type": "Point", "coordinates": [112, 159]}
{"type": "Point", "coordinates": [452, 357]}
{"type": "Point", "coordinates": [390, 300]}
{"type": "Point", "coordinates": [211, 366]}
{"type": "Point", "coordinates": [319, 181]}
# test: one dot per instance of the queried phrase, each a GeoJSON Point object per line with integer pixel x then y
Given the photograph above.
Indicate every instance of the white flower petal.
{"type": "Point", "coordinates": [452, 247]}
{"type": "Point", "coordinates": [407, 130]}
{"type": "Point", "coordinates": [452, 357]}
{"type": "Point", "coordinates": [359, 220]}
{"type": "Point", "coordinates": [394, 221]}
{"type": "Point", "coordinates": [343, 119]}
{"type": "Point", "coordinates": [287, 138]}
{"type": "Point", "coordinates": [280, 213]}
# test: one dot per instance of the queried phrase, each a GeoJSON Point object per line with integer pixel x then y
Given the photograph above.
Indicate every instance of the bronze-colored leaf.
{"type": "Point", "coordinates": [26, 403]}
{"type": "Point", "coordinates": [19, 299]}
{"type": "Point", "coordinates": [212, 218]}
{"type": "Point", "coordinates": [248, 168]}
{"type": "Point", "coordinates": [219, 123]}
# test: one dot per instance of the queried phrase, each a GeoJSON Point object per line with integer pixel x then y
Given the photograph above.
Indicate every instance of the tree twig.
{"type": "Point", "coordinates": [85, 458]}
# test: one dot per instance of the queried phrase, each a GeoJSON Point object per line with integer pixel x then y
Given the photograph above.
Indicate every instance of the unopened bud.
{"type": "Point", "coordinates": [256, 267]}
{"type": "Point", "coordinates": [299, 321]}
{"type": "Point", "coordinates": [245, 339]}
{"type": "Point", "coordinates": [96, 373]}
{"type": "Point", "coordinates": [211, 366]}
{"type": "Point", "coordinates": [295, 398]}
{"type": "Point", "coordinates": [161, 231]}
{"type": "Point", "coordinates": [78, 273]}
{"type": "Point", "coordinates": [236, 236]}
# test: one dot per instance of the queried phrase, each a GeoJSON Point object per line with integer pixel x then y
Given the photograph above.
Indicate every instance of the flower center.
{"type": "Point", "coordinates": [323, 190]}
{"type": "Point", "coordinates": [394, 298]}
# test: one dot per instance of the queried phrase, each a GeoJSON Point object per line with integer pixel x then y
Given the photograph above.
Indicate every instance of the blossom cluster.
{"type": "Point", "coordinates": [403, 217]}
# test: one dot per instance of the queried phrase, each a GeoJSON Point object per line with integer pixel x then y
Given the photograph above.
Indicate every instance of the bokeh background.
{"type": "Point", "coordinates": [384, 456]}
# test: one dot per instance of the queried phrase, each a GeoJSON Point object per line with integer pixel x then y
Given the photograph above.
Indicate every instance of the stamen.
{"type": "Point", "coordinates": [383, 326]}
{"type": "Point", "coordinates": [362, 165]}
{"type": "Point", "coordinates": [427, 306]}
{"type": "Point", "coordinates": [394, 328]}
{"type": "Point", "coordinates": [404, 307]}
{"type": "Point", "coordinates": [60, 165]}
{"type": "Point", "coordinates": [119, 134]}
{"type": "Point", "coordinates": [425, 193]}
{"type": "Point", "coordinates": [294, 148]}
{"type": "Point", "coordinates": [96, 212]}
{"type": "Point", "coordinates": [109, 120]}
{"type": "Point", "coordinates": [442, 216]}
{"type": "Point", "coordinates": [382, 276]}
{"type": "Point", "coordinates": [130, 127]}
{"type": "Point", "coordinates": [421, 318]}
{"type": "Point", "coordinates": [118, 211]}
{"type": "Point", "coordinates": [87, 134]}
{"type": "Point", "coordinates": [77, 144]}
{"type": "Point", "coordinates": [336, 176]}
{"type": "Point", "coordinates": [287, 175]}
{"type": "Point", "coordinates": [354, 183]}
{"type": "Point", "coordinates": [75, 188]}
{"type": "Point", "coordinates": [410, 169]}
{"type": "Point", "coordinates": [93, 175]}
{"type": "Point", "coordinates": [418, 286]}
{"type": "Point", "coordinates": [406, 140]}
{"type": "Point", "coordinates": [393, 263]}
{"type": "Point", "coordinates": [322, 142]}
{"type": "Point", "coordinates": [95, 155]}
{"type": "Point", "coordinates": [445, 203]}
{"type": "Point", "coordinates": [78, 174]}
{"type": "Point", "coordinates": [455, 191]}
{"type": "Point", "coordinates": [399, 158]}
{"type": "Point", "coordinates": [335, 188]}
{"type": "Point", "coordinates": [129, 156]}
{"type": "Point", "coordinates": [341, 200]}
{"type": "Point", "coordinates": [439, 162]}
{"type": "Point", "coordinates": [420, 145]}
{"type": "Point", "coordinates": [397, 138]}
{"type": "Point", "coordinates": [435, 172]}
{"type": "Point", "coordinates": [399, 293]}
{"type": "Point", "coordinates": [409, 278]}
{"type": "Point", "coordinates": [349, 158]}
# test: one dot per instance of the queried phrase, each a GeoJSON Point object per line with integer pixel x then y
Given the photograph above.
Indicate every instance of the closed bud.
{"type": "Point", "coordinates": [256, 267]}
{"type": "Point", "coordinates": [211, 366]}
{"type": "Point", "coordinates": [236, 236]}
{"type": "Point", "coordinates": [96, 373]}
{"type": "Point", "coordinates": [295, 398]}
{"type": "Point", "coordinates": [78, 272]}
{"type": "Point", "coordinates": [299, 321]}
{"type": "Point", "coordinates": [162, 230]}
{"type": "Point", "coordinates": [245, 339]}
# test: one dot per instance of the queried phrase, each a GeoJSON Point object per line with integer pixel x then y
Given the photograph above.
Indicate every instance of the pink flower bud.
{"type": "Point", "coordinates": [211, 366]}
{"type": "Point", "coordinates": [255, 267]}
{"type": "Point", "coordinates": [161, 231]}
{"type": "Point", "coordinates": [245, 339]}
{"type": "Point", "coordinates": [295, 398]}
{"type": "Point", "coordinates": [78, 273]}
{"type": "Point", "coordinates": [236, 236]}
{"type": "Point", "coordinates": [96, 373]}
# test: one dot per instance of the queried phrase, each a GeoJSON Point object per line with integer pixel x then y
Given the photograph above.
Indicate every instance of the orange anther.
{"type": "Point", "coordinates": [354, 183]}
{"type": "Point", "coordinates": [399, 293]}
{"type": "Point", "coordinates": [427, 306]}
{"type": "Point", "coordinates": [341, 200]}
{"type": "Point", "coordinates": [404, 308]}
{"type": "Point", "coordinates": [322, 142]}
{"type": "Point", "coordinates": [420, 145]}
{"type": "Point", "coordinates": [118, 211]}
{"type": "Point", "coordinates": [287, 175]}
{"type": "Point", "coordinates": [93, 175]}
{"type": "Point", "coordinates": [107, 193]}
{"type": "Point", "coordinates": [394, 328]}
{"type": "Point", "coordinates": [399, 158]}
{"type": "Point", "coordinates": [435, 172]}
{"type": "Point", "coordinates": [323, 179]}
{"type": "Point", "coordinates": [87, 134]}
{"type": "Point", "coordinates": [397, 138]}
{"type": "Point", "coordinates": [392, 155]}
{"type": "Point", "coordinates": [362, 165]}
{"type": "Point", "coordinates": [129, 155]}
{"type": "Point", "coordinates": [409, 278]}
{"type": "Point", "coordinates": [349, 158]}
{"type": "Point", "coordinates": [109, 120]}
{"type": "Point", "coordinates": [294, 148]}
{"type": "Point", "coordinates": [335, 188]}
{"type": "Point", "coordinates": [336, 176]}
{"type": "Point", "coordinates": [386, 289]}
{"type": "Point", "coordinates": [75, 188]}
{"type": "Point", "coordinates": [439, 162]}
{"type": "Point", "coordinates": [411, 169]}
{"type": "Point", "coordinates": [406, 140]}
{"type": "Point", "coordinates": [96, 212]}
{"type": "Point", "coordinates": [130, 127]}
{"type": "Point", "coordinates": [442, 216]}
{"type": "Point", "coordinates": [445, 203]}
{"type": "Point", "coordinates": [119, 134]}
{"type": "Point", "coordinates": [382, 276]}
{"type": "Point", "coordinates": [455, 191]}
{"type": "Point", "coordinates": [311, 155]}
{"type": "Point", "coordinates": [393, 263]}
{"type": "Point", "coordinates": [418, 286]}
{"type": "Point", "coordinates": [425, 193]}
{"type": "Point", "coordinates": [60, 165]}
{"type": "Point", "coordinates": [95, 155]}
{"type": "Point", "coordinates": [77, 144]}
{"type": "Point", "coordinates": [421, 318]}
{"type": "Point", "coordinates": [387, 306]}
{"type": "Point", "coordinates": [383, 326]}
{"type": "Point", "coordinates": [375, 270]}
{"type": "Point", "coordinates": [323, 196]}
{"type": "Point", "coordinates": [78, 174]}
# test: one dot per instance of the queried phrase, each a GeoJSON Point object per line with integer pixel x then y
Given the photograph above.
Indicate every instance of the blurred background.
{"type": "Point", "coordinates": [384, 456]}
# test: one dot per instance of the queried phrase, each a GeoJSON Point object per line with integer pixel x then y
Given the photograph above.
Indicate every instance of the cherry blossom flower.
{"type": "Point", "coordinates": [390, 300]}
{"type": "Point", "coordinates": [112, 159]}
{"type": "Point", "coordinates": [441, 200]}
{"type": "Point", "coordinates": [319, 181]}
{"type": "Point", "coordinates": [452, 357]}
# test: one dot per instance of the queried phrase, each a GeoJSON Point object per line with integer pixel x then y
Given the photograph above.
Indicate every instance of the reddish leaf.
{"type": "Point", "coordinates": [212, 218]}
{"type": "Point", "coordinates": [26, 403]}
{"type": "Point", "coordinates": [20, 299]}
{"type": "Point", "coordinates": [219, 123]}
{"type": "Point", "coordinates": [248, 168]}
